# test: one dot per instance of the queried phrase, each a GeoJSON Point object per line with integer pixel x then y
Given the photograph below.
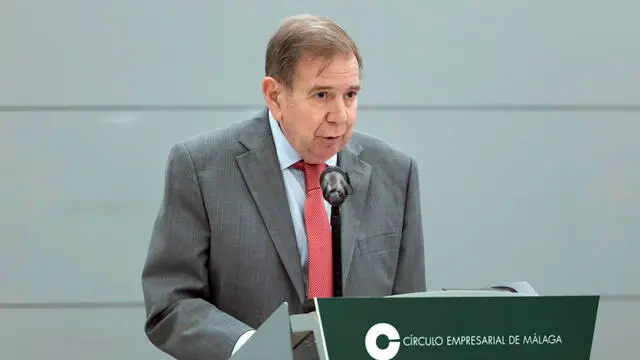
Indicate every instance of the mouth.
{"type": "Point", "coordinates": [331, 137]}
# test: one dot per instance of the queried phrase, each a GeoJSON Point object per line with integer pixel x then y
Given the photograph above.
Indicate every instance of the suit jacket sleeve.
{"type": "Point", "coordinates": [175, 279]}
{"type": "Point", "coordinates": [410, 275]}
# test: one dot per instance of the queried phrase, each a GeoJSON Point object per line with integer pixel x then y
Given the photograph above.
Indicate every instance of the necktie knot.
{"type": "Point", "coordinates": [312, 174]}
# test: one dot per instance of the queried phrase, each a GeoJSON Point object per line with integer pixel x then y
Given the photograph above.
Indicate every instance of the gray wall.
{"type": "Point", "coordinates": [522, 115]}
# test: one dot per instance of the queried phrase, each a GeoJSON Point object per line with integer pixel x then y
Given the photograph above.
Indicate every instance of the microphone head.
{"type": "Point", "coordinates": [335, 198]}
{"type": "Point", "coordinates": [335, 185]}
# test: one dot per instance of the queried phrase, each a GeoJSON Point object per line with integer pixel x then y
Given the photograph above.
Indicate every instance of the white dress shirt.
{"type": "Point", "coordinates": [296, 194]}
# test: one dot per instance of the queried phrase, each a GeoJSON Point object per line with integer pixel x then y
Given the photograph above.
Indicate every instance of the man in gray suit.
{"type": "Point", "coordinates": [239, 229]}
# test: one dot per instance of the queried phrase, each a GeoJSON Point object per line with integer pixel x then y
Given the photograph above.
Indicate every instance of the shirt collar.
{"type": "Point", "coordinates": [287, 155]}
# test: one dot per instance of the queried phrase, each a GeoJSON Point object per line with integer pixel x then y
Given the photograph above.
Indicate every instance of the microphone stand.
{"type": "Point", "coordinates": [336, 252]}
{"type": "Point", "coordinates": [336, 241]}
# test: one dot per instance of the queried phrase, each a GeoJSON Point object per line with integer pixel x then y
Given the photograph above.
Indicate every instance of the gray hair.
{"type": "Point", "coordinates": [301, 36]}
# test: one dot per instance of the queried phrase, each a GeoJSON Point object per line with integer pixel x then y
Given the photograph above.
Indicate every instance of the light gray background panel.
{"type": "Point", "coordinates": [96, 334]}
{"type": "Point", "coordinates": [548, 197]}
{"type": "Point", "coordinates": [617, 328]}
{"type": "Point", "coordinates": [416, 52]}
{"type": "Point", "coordinates": [79, 199]}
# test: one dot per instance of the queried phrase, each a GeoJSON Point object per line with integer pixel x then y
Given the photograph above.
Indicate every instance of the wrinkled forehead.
{"type": "Point", "coordinates": [340, 71]}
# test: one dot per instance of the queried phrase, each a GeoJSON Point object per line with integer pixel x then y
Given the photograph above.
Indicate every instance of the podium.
{"type": "Point", "coordinates": [443, 325]}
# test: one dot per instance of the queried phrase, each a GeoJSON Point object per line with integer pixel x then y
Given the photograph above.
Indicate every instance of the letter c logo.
{"type": "Point", "coordinates": [371, 339]}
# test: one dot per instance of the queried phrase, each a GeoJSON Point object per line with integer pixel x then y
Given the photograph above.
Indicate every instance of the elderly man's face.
{"type": "Point", "coordinates": [317, 115]}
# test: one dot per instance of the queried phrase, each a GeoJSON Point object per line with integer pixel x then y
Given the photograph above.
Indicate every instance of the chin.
{"type": "Point", "coordinates": [320, 156]}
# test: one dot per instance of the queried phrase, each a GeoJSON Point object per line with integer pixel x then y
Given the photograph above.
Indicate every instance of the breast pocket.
{"type": "Point", "coordinates": [379, 244]}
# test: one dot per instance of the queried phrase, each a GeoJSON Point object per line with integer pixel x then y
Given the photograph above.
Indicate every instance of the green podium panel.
{"type": "Point", "coordinates": [458, 328]}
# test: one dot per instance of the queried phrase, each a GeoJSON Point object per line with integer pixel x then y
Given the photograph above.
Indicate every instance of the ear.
{"type": "Point", "coordinates": [272, 91]}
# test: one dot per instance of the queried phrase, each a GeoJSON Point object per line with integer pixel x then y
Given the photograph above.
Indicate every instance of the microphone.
{"type": "Point", "coordinates": [335, 185]}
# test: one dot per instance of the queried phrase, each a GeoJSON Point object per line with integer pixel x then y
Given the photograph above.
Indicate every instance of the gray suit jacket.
{"type": "Point", "coordinates": [223, 252]}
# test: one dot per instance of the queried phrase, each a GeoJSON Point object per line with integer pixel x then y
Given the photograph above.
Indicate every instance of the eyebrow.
{"type": "Point", "coordinates": [324, 88]}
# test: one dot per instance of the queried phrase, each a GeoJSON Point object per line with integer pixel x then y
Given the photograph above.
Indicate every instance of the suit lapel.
{"type": "Point", "coordinates": [353, 208]}
{"type": "Point", "coordinates": [261, 171]}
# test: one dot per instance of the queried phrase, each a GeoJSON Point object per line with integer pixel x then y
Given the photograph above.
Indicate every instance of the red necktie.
{"type": "Point", "coordinates": [318, 230]}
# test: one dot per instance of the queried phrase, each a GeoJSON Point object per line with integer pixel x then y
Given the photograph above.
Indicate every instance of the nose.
{"type": "Point", "coordinates": [338, 112]}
